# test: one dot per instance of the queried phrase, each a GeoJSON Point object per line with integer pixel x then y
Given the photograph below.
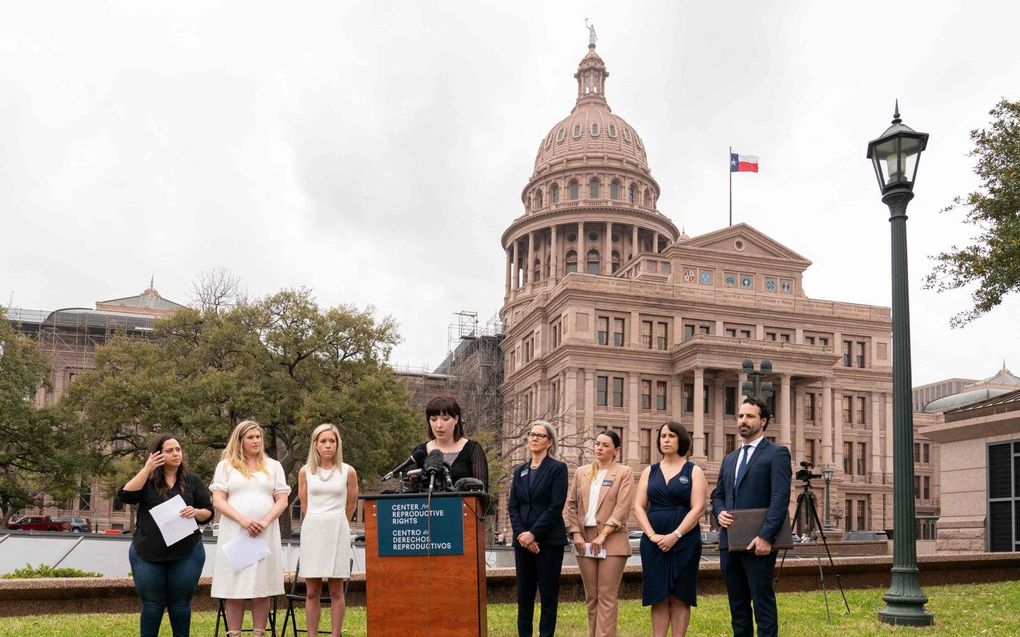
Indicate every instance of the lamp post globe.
{"type": "Point", "coordinates": [895, 156]}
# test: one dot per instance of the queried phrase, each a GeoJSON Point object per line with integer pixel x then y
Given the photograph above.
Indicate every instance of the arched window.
{"type": "Point", "coordinates": [616, 261]}
{"type": "Point", "coordinates": [571, 261]}
{"type": "Point", "coordinates": [647, 202]}
{"type": "Point", "coordinates": [536, 271]}
{"type": "Point", "coordinates": [575, 189]}
{"type": "Point", "coordinates": [614, 190]}
{"type": "Point", "coordinates": [594, 189]}
{"type": "Point", "coordinates": [538, 199]}
{"type": "Point", "coordinates": [554, 193]}
{"type": "Point", "coordinates": [632, 193]}
{"type": "Point", "coordinates": [592, 265]}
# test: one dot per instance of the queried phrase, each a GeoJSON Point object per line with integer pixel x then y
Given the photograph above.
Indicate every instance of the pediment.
{"type": "Point", "coordinates": [743, 241]}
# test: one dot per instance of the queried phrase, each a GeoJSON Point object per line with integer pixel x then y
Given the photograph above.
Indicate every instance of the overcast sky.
{"type": "Point", "coordinates": [375, 151]}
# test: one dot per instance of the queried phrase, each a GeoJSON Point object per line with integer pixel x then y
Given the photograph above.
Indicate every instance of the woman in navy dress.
{"type": "Point", "coordinates": [670, 501]}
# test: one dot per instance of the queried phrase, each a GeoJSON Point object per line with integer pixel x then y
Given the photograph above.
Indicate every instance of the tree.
{"type": "Point", "coordinates": [216, 290]}
{"type": "Point", "coordinates": [992, 260]}
{"type": "Point", "coordinates": [281, 360]}
{"type": "Point", "coordinates": [37, 452]}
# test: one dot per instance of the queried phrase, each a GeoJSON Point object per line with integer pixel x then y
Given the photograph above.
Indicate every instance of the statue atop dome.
{"type": "Point", "coordinates": [592, 38]}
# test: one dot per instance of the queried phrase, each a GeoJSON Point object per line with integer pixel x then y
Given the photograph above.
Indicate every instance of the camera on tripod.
{"type": "Point", "coordinates": [805, 475]}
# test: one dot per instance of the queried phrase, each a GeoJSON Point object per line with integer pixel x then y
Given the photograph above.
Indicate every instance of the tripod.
{"type": "Point", "coordinates": [806, 503]}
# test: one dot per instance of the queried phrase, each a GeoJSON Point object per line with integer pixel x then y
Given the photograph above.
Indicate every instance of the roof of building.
{"type": "Point", "coordinates": [592, 130]}
{"type": "Point", "coordinates": [963, 399]}
{"type": "Point", "coordinates": [149, 299]}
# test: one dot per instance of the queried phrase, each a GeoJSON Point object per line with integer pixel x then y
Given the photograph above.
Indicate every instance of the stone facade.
{"type": "Point", "coordinates": [615, 319]}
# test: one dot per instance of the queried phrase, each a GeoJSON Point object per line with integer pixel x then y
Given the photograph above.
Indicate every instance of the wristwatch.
{"type": "Point", "coordinates": [678, 534]}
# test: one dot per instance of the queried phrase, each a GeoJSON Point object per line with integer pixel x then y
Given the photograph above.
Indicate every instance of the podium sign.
{"type": "Point", "coordinates": [415, 526]}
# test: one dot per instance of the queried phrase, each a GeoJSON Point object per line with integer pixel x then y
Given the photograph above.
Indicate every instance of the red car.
{"type": "Point", "coordinates": [38, 523]}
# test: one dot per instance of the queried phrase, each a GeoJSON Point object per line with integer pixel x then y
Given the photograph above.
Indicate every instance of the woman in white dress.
{"type": "Point", "coordinates": [250, 491]}
{"type": "Point", "coordinates": [328, 489]}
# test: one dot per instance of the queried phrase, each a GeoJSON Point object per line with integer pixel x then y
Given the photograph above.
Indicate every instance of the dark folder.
{"type": "Point", "coordinates": [746, 525]}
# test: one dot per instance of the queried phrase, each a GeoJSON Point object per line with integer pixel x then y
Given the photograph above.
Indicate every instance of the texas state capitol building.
{"type": "Point", "coordinates": [615, 319]}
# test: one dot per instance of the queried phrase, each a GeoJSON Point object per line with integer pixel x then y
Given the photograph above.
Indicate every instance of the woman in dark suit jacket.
{"type": "Point", "coordinates": [598, 505]}
{"type": "Point", "coordinates": [537, 495]}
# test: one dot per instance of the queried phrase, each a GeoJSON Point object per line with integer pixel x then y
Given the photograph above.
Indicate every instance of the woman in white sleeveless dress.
{"type": "Point", "coordinates": [250, 491]}
{"type": "Point", "coordinates": [328, 490]}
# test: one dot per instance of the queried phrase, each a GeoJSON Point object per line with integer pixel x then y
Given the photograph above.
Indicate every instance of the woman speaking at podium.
{"type": "Point", "coordinates": [328, 489]}
{"type": "Point", "coordinates": [537, 495]}
{"type": "Point", "coordinates": [446, 434]}
{"type": "Point", "coordinates": [598, 505]}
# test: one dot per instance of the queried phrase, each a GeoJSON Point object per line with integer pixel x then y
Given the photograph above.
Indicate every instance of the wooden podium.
{"type": "Point", "coordinates": [425, 565]}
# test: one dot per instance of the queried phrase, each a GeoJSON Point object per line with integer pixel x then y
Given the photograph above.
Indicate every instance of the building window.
{"type": "Point", "coordinates": [645, 446]}
{"type": "Point", "coordinates": [917, 452]}
{"type": "Point", "coordinates": [849, 513]}
{"type": "Point", "coordinates": [731, 331]}
{"type": "Point", "coordinates": [646, 394]}
{"type": "Point", "coordinates": [809, 450]}
{"type": "Point", "coordinates": [592, 264]}
{"type": "Point", "coordinates": [809, 407]}
{"type": "Point", "coordinates": [689, 397]}
{"type": "Point", "coordinates": [926, 494]}
{"type": "Point", "coordinates": [614, 190]}
{"type": "Point", "coordinates": [554, 396]}
{"type": "Point", "coordinates": [847, 353]}
{"type": "Point", "coordinates": [615, 263]}
{"type": "Point", "coordinates": [118, 506]}
{"type": "Point", "coordinates": [618, 330]}
{"type": "Point", "coordinates": [602, 330]}
{"type": "Point", "coordinates": [917, 487]}
{"type": "Point", "coordinates": [688, 332]}
{"type": "Point", "coordinates": [646, 334]}
{"type": "Point", "coordinates": [660, 395]}
{"type": "Point", "coordinates": [594, 188]}
{"type": "Point", "coordinates": [706, 401]}
{"type": "Point", "coordinates": [601, 390]}
{"type": "Point", "coordinates": [617, 391]}
{"type": "Point", "coordinates": [862, 514]}
{"type": "Point", "coordinates": [557, 335]}
{"type": "Point", "coordinates": [730, 402]}
{"type": "Point", "coordinates": [848, 457]}
{"type": "Point", "coordinates": [862, 455]}
{"type": "Point", "coordinates": [571, 261]}
{"type": "Point", "coordinates": [861, 410]}
{"type": "Point", "coordinates": [632, 194]}
{"type": "Point", "coordinates": [731, 442]}
{"type": "Point", "coordinates": [926, 448]}
{"type": "Point", "coordinates": [860, 354]}
{"type": "Point", "coordinates": [85, 497]}
{"type": "Point", "coordinates": [661, 335]}
{"type": "Point", "coordinates": [1004, 496]}
{"type": "Point", "coordinates": [708, 443]}
{"type": "Point", "coordinates": [847, 401]}
{"type": "Point", "coordinates": [554, 193]}
{"type": "Point", "coordinates": [574, 188]}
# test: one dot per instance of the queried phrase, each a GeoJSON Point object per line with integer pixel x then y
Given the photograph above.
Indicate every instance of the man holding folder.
{"type": "Point", "coordinates": [757, 475]}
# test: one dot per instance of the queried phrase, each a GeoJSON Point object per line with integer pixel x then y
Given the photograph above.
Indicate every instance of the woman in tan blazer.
{"type": "Point", "coordinates": [598, 504]}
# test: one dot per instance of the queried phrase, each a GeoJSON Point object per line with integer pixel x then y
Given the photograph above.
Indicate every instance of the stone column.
{"type": "Point", "coordinates": [555, 249]}
{"type": "Point", "coordinates": [784, 410]}
{"type": "Point", "coordinates": [509, 269]}
{"type": "Point", "coordinates": [837, 429]}
{"type": "Point", "coordinates": [875, 463]}
{"type": "Point", "coordinates": [529, 260]}
{"type": "Point", "coordinates": [826, 406]}
{"type": "Point", "coordinates": [570, 398]}
{"type": "Point", "coordinates": [589, 401]}
{"type": "Point", "coordinates": [635, 240]}
{"type": "Point", "coordinates": [517, 262]}
{"type": "Point", "coordinates": [607, 250]}
{"type": "Point", "coordinates": [699, 412]}
{"type": "Point", "coordinates": [676, 404]}
{"type": "Point", "coordinates": [630, 441]}
{"type": "Point", "coordinates": [799, 447]}
{"type": "Point", "coordinates": [719, 415]}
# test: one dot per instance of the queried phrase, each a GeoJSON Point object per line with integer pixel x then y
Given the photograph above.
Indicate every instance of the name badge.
{"type": "Point", "coordinates": [607, 483]}
{"type": "Point", "coordinates": [524, 473]}
{"type": "Point", "coordinates": [683, 479]}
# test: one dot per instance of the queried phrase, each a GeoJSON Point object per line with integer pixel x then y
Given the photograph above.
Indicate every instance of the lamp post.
{"type": "Point", "coordinates": [895, 156]}
{"type": "Point", "coordinates": [754, 386]}
{"type": "Point", "coordinates": [827, 478]}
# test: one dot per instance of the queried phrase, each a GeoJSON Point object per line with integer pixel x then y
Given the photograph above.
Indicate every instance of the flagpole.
{"type": "Point", "coordinates": [728, 160]}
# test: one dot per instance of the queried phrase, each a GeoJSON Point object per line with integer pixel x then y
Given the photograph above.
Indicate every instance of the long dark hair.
{"type": "Point", "coordinates": [158, 478]}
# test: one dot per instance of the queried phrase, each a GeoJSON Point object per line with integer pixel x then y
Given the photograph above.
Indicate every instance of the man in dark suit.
{"type": "Point", "coordinates": [757, 475]}
{"type": "Point", "coordinates": [537, 495]}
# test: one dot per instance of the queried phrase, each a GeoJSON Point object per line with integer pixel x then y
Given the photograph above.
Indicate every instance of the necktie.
{"type": "Point", "coordinates": [742, 465]}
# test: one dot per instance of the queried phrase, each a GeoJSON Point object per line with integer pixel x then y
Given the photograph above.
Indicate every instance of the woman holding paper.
{"type": "Point", "coordinates": [166, 576]}
{"type": "Point", "coordinates": [250, 491]}
{"type": "Point", "coordinates": [598, 504]}
{"type": "Point", "coordinates": [670, 501]}
{"type": "Point", "coordinates": [328, 489]}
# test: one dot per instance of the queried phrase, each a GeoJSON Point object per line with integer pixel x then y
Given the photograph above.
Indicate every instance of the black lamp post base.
{"type": "Point", "coordinates": [904, 601]}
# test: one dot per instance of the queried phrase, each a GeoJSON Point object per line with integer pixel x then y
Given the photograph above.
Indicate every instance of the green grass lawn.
{"type": "Point", "coordinates": [960, 611]}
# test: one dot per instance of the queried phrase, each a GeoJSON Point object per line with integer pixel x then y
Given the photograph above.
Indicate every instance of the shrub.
{"type": "Point", "coordinates": [44, 570]}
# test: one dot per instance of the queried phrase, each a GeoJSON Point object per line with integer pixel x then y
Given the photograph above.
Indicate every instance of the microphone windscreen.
{"type": "Point", "coordinates": [434, 461]}
{"type": "Point", "coordinates": [419, 456]}
{"type": "Point", "coordinates": [469, 484]}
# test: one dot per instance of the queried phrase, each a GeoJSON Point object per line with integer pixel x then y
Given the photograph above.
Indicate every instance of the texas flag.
{"type": "Point", "coordinates": [743, 163]}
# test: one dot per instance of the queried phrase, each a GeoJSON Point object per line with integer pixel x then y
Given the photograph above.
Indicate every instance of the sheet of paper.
{"type": "Point", "coordinates": [587, 551]}
{"type": "Point", "coordinates": [168, 518]}
{"type": "Point", "coordinates": [245, 550]}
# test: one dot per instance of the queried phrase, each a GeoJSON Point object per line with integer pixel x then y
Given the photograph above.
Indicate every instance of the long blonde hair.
{"type": "Point", "coordinates": [233, 453]}
{"type": "Point", "coordinates": [313, 454]}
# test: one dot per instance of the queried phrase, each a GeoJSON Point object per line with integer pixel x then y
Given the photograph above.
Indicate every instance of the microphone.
{"type": "Point", "coordinates": [414, 459]}
{"type": "Point", "coordinates": [434, 466]}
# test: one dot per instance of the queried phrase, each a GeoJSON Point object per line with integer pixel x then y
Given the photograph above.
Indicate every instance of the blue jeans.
{"type": "Point", "coordinates": [168, 585]}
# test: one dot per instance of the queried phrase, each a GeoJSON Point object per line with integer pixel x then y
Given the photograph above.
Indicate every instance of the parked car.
{"type": "Point", "coordinates": [865, 536]}
{"type": "Point", "coordinates": [211, 530]}
{"type": "Point", "coordinates": [709, 537]}
{"type": "Point", "coordinates": [38, 523]}
{"type": "Point", "coordinates": [116, 532]}
{"type": "Point", "coordinates": [634, 537]}
{"type": "Point", "coordinates": [78, 524]}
